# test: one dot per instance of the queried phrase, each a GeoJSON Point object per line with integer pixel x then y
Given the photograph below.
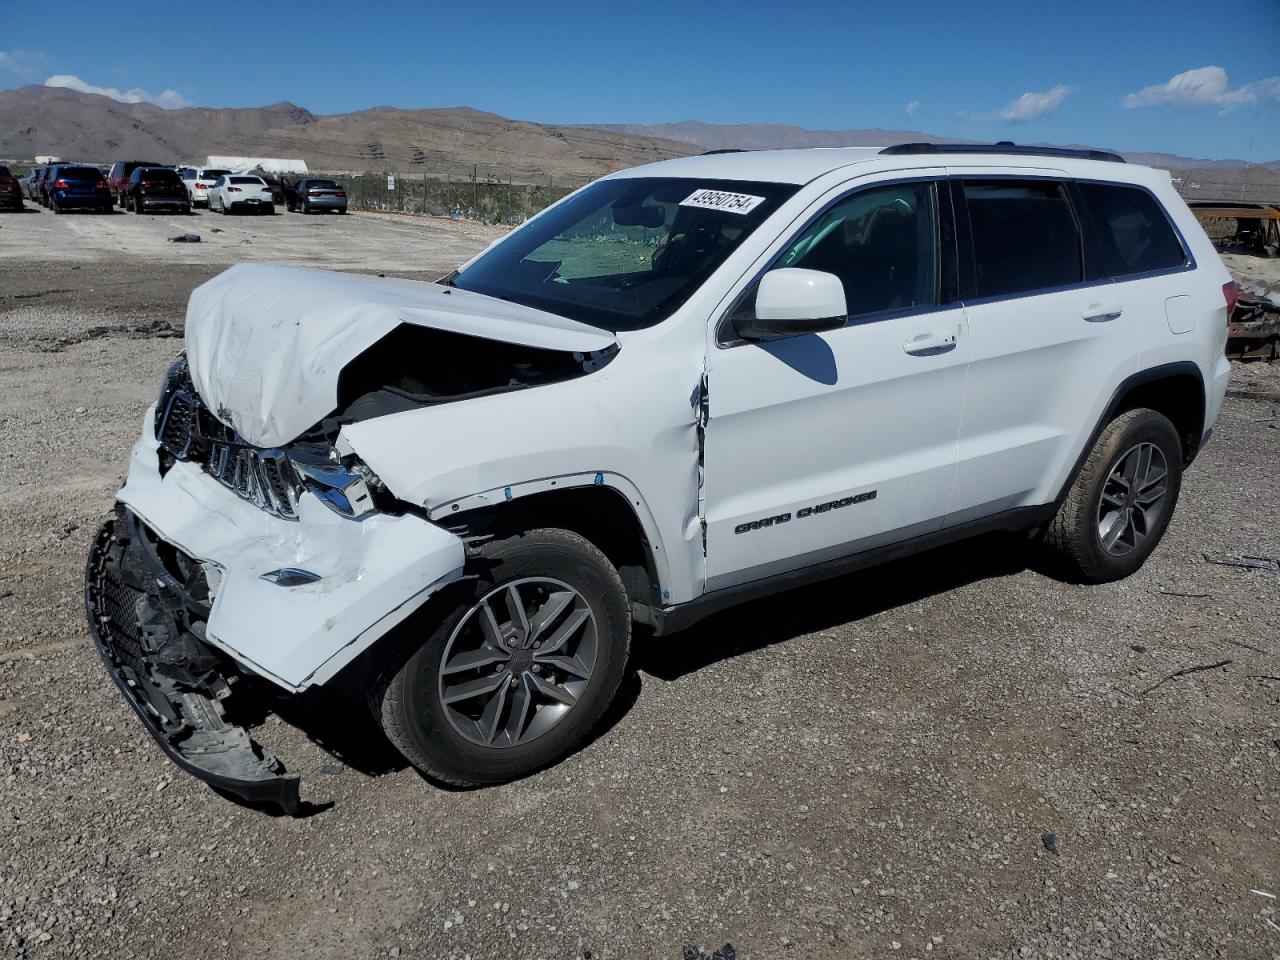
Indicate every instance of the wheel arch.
{"type": "Point", "coordinates": [603, 508]}
{"type": "Point", "coordinates": [1176, 390]}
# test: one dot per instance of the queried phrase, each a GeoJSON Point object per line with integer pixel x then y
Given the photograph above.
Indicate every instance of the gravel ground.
{"type": "Point", "coordinates": [863, 768]}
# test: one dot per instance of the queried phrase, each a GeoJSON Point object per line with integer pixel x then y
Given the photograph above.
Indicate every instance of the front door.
{"type": "Point", "coordinates": [822, 445]}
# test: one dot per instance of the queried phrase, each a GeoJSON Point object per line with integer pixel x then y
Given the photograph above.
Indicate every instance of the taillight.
{"type": "Point", "coordinates": [1232, 292]}
{"type": "Point", "coordinates": [340, 193]}
{"type": "Point", "coordinates": [201, 186]}
{"type": "Point", "coordinates": [101, 184]}
{"type": "Point", "coordinates": [59, 184]}
{"type": "Point", "coordinates": [313, 193]}
{"type": "Point", "coordinates": [233, 189]}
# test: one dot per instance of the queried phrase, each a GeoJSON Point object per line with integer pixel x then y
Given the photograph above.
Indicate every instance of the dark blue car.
{"type": "Point", "coordinates": [71, 186]}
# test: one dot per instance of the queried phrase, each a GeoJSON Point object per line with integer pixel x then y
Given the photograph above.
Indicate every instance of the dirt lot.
{"type": "Point", "coordinates": [865, 768]}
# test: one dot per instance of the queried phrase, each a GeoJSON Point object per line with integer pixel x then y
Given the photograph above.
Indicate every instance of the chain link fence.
{"type": "Point", "coordinates": [490, 198]}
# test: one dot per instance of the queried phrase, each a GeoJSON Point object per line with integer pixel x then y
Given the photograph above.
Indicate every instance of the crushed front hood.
{"type": "Point", "coordinates": [266, 343]}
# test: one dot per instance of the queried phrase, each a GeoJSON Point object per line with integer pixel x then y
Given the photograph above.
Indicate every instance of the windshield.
{"type": "Point", "coordinates": [623, 254]}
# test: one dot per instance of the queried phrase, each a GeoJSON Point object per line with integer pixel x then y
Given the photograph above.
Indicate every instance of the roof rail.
{"type": "Point", "coordinates": [1007, 147]}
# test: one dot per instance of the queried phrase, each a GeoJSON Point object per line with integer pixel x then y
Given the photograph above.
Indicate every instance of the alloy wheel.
{"type": "Point", "coordinates": [518, 662]}
{"type": "Point", "coordinates": [1133, 499]}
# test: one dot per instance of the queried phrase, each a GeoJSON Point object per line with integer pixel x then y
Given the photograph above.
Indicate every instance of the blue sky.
{"type": "Point", "coordinates": [1199, 78]}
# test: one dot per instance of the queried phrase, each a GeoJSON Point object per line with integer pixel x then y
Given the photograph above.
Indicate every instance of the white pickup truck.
{"type": "Point", "coordinates": [683, 386]}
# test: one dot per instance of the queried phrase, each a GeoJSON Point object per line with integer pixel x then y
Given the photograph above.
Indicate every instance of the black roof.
{"type": "Point", "coordinates": [1004, 147]}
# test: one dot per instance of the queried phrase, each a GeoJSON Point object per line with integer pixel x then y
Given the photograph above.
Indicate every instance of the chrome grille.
{"type": "Point", "coordinates": [263, 477]}
{"type": "Point", "coordinates": [188, 430]}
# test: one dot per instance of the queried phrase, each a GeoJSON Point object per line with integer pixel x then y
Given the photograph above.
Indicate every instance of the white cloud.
{"type": "Point", "coordinates": [19, 63]}
{"type": "Point", "coordinates": [1031, 105]}
{"type": "Point", "coordinates": [1204, 87]}
{"type": "Point", "coordinates": [170, 99]}
{"type": "Point", "coordinates": [913, 108]}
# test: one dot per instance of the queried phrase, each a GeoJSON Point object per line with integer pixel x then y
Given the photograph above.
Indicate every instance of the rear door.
{"type": "Point", "coordinates": [1050, 338]}
{"type": "Point", "coordinates": [822, 445]}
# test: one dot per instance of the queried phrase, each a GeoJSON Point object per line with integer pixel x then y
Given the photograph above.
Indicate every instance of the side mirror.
{"type": "Point", "coordinates": [792, 300]}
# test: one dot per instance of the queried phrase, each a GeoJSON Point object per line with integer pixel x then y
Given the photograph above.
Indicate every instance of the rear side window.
{"type": "Point", "coordinates": [1025, 236]}
{"type": "Point", "coordinates": [1134, 234]}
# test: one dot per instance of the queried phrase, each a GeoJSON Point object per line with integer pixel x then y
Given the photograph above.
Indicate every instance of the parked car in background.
{"type": "Point", "coordinates": [119, 174]}
{"type": "Point", "coordinates": [240, 191]}
{"type": "Point", "coordinates": [312, 194]}
{"type": "Point", "coordinates": [275, 184]}
{"type": "Point", "coordinates": [150, 188]}
{"type": "Point", "coordinates": [199, 180]}
{"type": "Point", "coordinates": [31, 184]}
{"type": "Point", "coordinates": [10, 190]}
{"type": "Point", "coordinates": [75, 186]}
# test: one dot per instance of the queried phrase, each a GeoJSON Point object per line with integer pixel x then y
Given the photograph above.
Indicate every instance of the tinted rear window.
{"type": "Point", "coordinates": [159, 176]}
{"type": "Point", "coordinates": [213, 174]}
{"type": "Point", "coordinates": [246, 180]}
{"type": "Point", "coordinates": [1134, 234]}
{"type": "Point", "coordinates": [133, 165]}
{"type": "Point", "coordinates": [4, 171]}
{"type": "Point", "coordinates": [321, 185]}
{"type": "Point", "coordinates": [1024, 236]}
{"type": "Point", "coordinates": [80, 173]}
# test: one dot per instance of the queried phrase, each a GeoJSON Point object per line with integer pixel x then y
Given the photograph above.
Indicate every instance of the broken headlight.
{"type": "Point", "coordinates": [344, 486]}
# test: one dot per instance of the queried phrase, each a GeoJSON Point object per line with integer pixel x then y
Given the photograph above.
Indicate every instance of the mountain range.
{"type": "Point", "coordinates": [38, 120]}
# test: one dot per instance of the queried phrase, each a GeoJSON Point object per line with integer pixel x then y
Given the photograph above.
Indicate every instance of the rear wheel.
{"type": "Point", "coordinates": [520, 666]}
{"type": "Point", "coordinates": [1121, 501]}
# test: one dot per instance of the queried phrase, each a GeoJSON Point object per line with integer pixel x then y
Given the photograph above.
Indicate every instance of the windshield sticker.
{"type": "Point", "coordinates": [740, 203]}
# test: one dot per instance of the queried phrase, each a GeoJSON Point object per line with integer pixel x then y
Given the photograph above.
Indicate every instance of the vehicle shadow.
{"type": "Point", "coordinates": [758, 624]}
{"type": "Point", "coordinates": [341, 724]}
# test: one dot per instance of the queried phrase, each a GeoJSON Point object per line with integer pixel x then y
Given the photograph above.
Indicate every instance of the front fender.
{"type": "Point", "coordinates": [640, 439]}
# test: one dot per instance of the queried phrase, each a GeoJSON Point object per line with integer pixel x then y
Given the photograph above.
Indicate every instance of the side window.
{"type": "Point", "coordinates": [1134, 234]}
{"type": "Point", "coordinates": [1025, 236]}
{"type": "Point", "coordinates": [883, 245]}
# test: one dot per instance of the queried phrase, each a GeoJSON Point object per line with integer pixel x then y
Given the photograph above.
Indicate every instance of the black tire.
{"type": "Point", "coordinates": [1074, 535]}
{"type": "Point", "coordinates": [408, 703]}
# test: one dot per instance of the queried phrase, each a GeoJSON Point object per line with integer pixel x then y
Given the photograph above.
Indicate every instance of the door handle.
{"type": "Point", "coordinates": [930, 344]}
{"type": "Point", "coordinates": [1100, 314]}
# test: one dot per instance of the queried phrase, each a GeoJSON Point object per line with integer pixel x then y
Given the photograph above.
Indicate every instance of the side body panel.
{"type": "Point", "coordinates": [821, 444]}
{"type": "Point", "coordinates": [1043, 365]}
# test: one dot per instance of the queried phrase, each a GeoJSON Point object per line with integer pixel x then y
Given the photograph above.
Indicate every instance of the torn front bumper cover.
{"type": "Point", "coordinates": [186, 597]}
{"type": "Point", "coordinates": [147, 625]}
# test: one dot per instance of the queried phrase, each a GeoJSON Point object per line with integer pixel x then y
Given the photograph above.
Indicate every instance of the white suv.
{"type": "Point", "coordinates": [199, 181]}
{"type": "Point", "coordinates": [684, 385]}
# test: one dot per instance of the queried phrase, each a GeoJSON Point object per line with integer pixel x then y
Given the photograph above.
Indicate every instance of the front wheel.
{"type": "Point", "coordinates": [520, 665]}
{"type": "Point", "coordinates": [1121, 501]}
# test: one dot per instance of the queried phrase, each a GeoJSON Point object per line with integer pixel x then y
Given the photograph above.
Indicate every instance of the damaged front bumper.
{"type": "Point", "coordinates": [191, 586]}
{"type": "Point", "coordinates": [147, 625]}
